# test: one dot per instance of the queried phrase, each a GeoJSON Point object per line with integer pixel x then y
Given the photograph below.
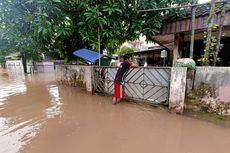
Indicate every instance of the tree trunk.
{"type": "Point", "coordinates": [209, 34]}
{"type": "Point", "coordinates": [24, 61]}
{"type": "Point", "coordinates": [192, 31]}
{"type": "Point", "coordinates": [218, 45]}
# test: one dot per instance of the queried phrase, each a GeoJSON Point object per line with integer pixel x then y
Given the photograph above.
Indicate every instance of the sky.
{"type": "Point", "coordinates": [203, 1]}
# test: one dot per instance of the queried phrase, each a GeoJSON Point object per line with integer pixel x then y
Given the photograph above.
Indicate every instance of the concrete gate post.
{"type": "Point", "coordinates": [177, 89]}
{"type": "Point", "coordinates": [89, 79]}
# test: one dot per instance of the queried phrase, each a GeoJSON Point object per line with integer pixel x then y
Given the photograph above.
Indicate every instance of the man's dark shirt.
{"type": "Point", "coordinates": [122, 71]}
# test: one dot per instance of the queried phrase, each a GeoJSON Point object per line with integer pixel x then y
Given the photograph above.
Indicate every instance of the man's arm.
{"type": "Point", "coordinates": [131, 65]}
{"type": "Point", "coordinates": [134, 66]}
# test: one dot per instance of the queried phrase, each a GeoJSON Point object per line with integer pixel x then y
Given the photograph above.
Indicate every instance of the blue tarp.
{"type": "Point", "coordinates": [88, 55]}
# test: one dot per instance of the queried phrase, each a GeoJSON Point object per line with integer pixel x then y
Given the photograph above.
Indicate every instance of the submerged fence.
{"type": "Point", "coordinates": [155, 85]}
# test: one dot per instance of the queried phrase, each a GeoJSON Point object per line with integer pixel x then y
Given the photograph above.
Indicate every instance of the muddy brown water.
{"type": "Point", "coordinates": [39, 116]}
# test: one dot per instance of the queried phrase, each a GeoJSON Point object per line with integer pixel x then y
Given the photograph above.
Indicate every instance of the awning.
{"type": "Point", "coordinates": [88, 55]}
{"type": "Point", "coordinates": [165, 40]}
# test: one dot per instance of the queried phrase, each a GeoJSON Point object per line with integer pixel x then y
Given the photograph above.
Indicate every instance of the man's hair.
{"type": "Point", "coordinates": [125, 57]}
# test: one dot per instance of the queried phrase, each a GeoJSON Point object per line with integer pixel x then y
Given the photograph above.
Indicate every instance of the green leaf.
{"type": "Point", "coordinates": [45, 14]}
{"type": "Point", "coordinates": [48, 22]}
{"type": "Point", "coordinates": [30, 1]}
{"type": "Point", "coordinates": [57, 1]}
{"type": "Point", "coordinates": [40, 29]}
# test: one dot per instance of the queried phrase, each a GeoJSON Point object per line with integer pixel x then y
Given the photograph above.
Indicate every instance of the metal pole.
{"type": "Point", "coordinates": [192, 32]}
{"type": "Point", "coordinates": [99, 40]}
{"type": "Point", "coordinates": [99, 47]}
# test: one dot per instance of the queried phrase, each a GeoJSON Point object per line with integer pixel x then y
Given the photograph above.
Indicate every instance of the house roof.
{"type": "Point", "coordinates": [202, 10]}
{"type": "Point", "coordinates": [150, 50]}
{"type": "Point", "coordinates": [181, 23]}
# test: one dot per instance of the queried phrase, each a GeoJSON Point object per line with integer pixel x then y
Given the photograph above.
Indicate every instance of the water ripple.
{"type": "Point", "coordinates": [55, 102]}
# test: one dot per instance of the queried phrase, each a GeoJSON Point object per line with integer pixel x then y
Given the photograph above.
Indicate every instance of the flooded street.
{"type": "Point", "coordinates": [39, 116]}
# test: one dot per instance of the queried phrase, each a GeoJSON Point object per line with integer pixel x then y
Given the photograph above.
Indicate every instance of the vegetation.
{"type": "Point", "coordinates": [32, 27]}
{"type": "Point", "coordinates": [2, 58]}
{"type": "Point", "coordinates": [213, 42]}
{"type": "Point", "coordinates": [124, 50]}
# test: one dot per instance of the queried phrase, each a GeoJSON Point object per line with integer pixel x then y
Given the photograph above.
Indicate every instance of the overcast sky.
{"type": "Point", "coordinates": [203, 1]}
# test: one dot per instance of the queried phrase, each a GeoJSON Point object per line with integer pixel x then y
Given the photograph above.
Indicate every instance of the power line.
{"type": "Point", "coordinates": [183, 6]}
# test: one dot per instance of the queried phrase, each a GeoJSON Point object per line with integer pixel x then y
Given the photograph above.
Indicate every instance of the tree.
{"type": "Point", "coordinates": [60, 26]}
{"type": "Point", "coordinates": [31, 27]}
{"type": "Point", "coordinates": [210, 41]}
{"type": "Point", "coordinates": [2, 57]}
{"type": "Point", "coordinates": [119, 20]}
{"type": "Point", "coordinates": [213, 42]}
{"type": "Point", "coordinates": [125, 50]}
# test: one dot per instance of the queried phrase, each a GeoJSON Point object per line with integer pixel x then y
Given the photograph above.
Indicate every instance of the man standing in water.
{"type": "Point", "coordinates": [120, 78]}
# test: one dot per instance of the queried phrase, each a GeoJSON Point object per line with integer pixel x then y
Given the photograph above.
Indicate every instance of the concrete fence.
{"type": "Point", "coordinates": [14, 66]}
{"type": "Point", "coordinates": [43, 67]}
{"type": "Point", "coordinates": [205, 89]}
{"type": "Point", "coordinates": [76, 76]}
{"type": "Point", "coordinates": [208, 89]}
{"type": "Point", "coordinates": [154, 82]}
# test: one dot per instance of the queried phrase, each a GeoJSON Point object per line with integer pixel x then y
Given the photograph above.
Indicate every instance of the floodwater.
{"type": "Point", "coordinates": [39, 116]}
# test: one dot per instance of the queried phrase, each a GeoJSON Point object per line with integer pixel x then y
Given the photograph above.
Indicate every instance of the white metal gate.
{"type": "Point", "coordinates": [147, 84]}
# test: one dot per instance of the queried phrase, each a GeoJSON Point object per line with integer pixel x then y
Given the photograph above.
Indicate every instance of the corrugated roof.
{"type": "Point", "coordinates": [202, 10]}
{"type": "Point", "coordinates": [88, 55]}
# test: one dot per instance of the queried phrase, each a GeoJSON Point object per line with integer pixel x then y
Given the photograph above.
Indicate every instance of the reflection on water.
{"type": "Point", "coordinates": [10, 85]}
{"type": "Point", "coordinates": [14, 136]}
{"type": "Point", "coordinates": [56, 104]}
{"type": "Point", "coordinates": [23, 101]}
{"type": "Point", "coordinates": [3, 124]}
{"type": "Point", "coordinates": [7, 90]}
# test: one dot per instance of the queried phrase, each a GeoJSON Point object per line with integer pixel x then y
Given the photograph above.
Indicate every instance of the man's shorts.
{"type": "Point", "coordinates": [118, 90]}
